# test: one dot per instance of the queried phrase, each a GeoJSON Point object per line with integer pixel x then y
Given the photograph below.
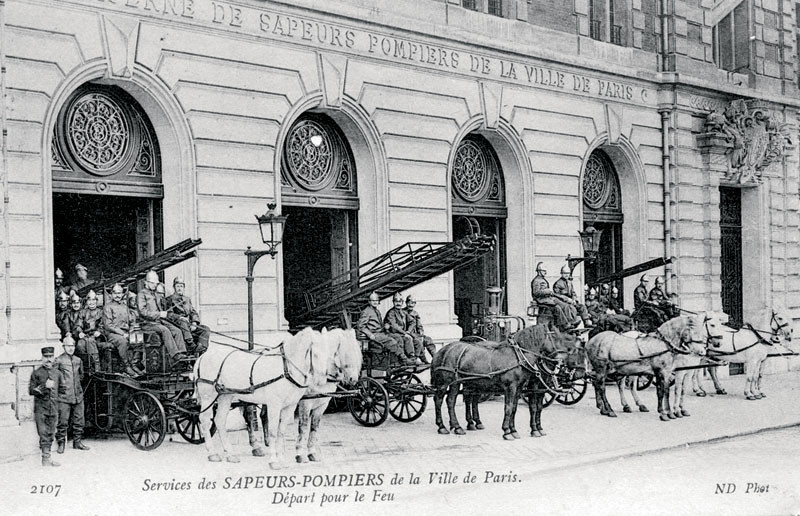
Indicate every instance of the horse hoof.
{"type": "Point", "coordinates": [761, 395]}
{"type": "Point", "coordinates": [685, 413]}
{"type": "Point", "coordinates": [677, 415]}
{"type": "Point", "coordinates": [459, 431]}
{"type": "Point", "coordinates": [470, 426]}
{"type": "Point", "coordinates": [642, 408]}
{"type": "Point", "coordinates": [232, 458]}
{"type": "Point", "coordinates": [508, 437]}
{"type": "Point", "coordinates": [443, 430]}
{"type": "Point", "coordinates": [214, 458]}
{"type": "Point", "coordinates": [314, 458]}
{"type": "Point", "coordinates": [301, 458]}
{"type": "Point", "coordinates": [664, 417]}
{"type": "Point", "coordinates": [479, 426]}
{"type": "Point", "coordinates": [259, 452]}
{"type": "Point", "coordinates": [751, 398]}
{"type": "Point", "coordinates": [536, 433]}
{"type": "Point", "coordinates": [626, 409]}
{"type": "Point", "coordinates": [722, 392]}
{"type": "Point", "coordinates": [515, 435]}
{"type": "Point", "coordinates": [611, 413]}
{"type": "Point", "coordinates": [701, 394]}
{"type": "Point", "coordinates": [671, 415]}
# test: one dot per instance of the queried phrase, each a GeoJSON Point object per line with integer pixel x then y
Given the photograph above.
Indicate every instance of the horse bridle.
{"type": "Point", "coordinates": [780, 328]}
{"type": "Point", "coordinates": [716, 341]}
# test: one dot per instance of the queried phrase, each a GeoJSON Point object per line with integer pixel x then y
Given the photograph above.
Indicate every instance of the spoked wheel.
{"type": "Point", "coordinates": [145, 422]}
{"type": "Point", "coordinates": [187, 421]}
{"type": "Point", "coordinates": [576, 392]}
{"type": "Point", "coordinates": [549, 398]}
{"type": "Point", "coordinates": [643, 381]}
{"type": "Point", "coordinates": [408, 400]}
{"type": "Point", "coordinates": [370, 406]}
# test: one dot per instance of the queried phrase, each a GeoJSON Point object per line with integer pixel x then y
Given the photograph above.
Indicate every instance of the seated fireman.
{"type": "Point", "coordinates": [417, 331]}
{"type": "Point", "coordinates": [396, 325]}
{"type": "Point", "coordinates": [93, 323]}
{"type": "Point", "coordinates": [117, 327]}
{"type": "Point", "coordinates": [152, 319]}
{"type": "Point", "coordinates": [186, 317]}
{"type": "Point", "coordinates": [564, 313]}
{"type": "Point", "coordinates": [72, 324]}
{"type": "Point", "coordinates": [370, 327]}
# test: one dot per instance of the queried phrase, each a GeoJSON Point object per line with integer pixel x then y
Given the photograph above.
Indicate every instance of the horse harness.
{"type": "Point", "coordinates": [658, 335]}
{"type": "Point", "coordinates": [522, 361]}
{"type": "Point", "coordinates": [760, 339]}
{"type": "Point", "coordinates": [221, 389]}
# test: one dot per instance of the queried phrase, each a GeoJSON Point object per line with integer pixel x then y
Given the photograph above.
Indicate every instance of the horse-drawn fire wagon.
{"type": "Point", "coordinates": [143, 406]}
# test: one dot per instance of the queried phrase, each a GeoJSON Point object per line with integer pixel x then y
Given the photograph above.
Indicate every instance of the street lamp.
{"type": "Point", "coordinates": [271, 226]}
{"type": "Point", "coordinates": [590, 241]}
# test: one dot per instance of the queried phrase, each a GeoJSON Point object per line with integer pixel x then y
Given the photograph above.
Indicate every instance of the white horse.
{"type": "Point", "coordinates": [613, 356]}
{"type": "Point", "coordinates": [712, 329]}
{"type": "Point", "coordinates": [749, 346]}
{"type": "Point", "coordinates": [276, 377]}
{"type": "Point", "coordinates": [346, 369]}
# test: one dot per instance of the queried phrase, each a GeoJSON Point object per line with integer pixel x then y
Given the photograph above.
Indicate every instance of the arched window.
{"type": "Point", "coordinates": [106, 188]}
{"type": "Point", "coordinates": [317, 165]}
{"type": "Point", "coordinates": [478, 201]}
{"type": "Point", "coordinates": [602, 208]}
{"type": "Point", "coordinates": [104, 143]}
{"type": "Point", "coordinates": [477, 179]}
{"type": "Point", "coordinates": [320, 196]}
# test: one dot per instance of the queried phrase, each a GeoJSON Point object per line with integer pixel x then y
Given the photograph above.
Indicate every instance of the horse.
{"type": "Point", "coordinates": [683, 363]}
{"type": "Point", "coordinates": [751, 347]}
{"type": "Point", "coordinates": [488, 366]}
{"type": "Point", "coordinates": [347, 368]}
{"type": "Point", "coordinates": [613, 355]}
{"type": "Point", "coordinates": [687, 365]}
{"type": "Point", "coordinates": [276, 377]}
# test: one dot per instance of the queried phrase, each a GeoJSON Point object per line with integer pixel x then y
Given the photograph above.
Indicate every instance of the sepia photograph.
{"type": "Point", "coordinates": [320, 257]}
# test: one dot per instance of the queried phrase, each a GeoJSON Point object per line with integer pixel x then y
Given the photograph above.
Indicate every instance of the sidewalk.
{"type": "Point", "coordinates": [576, 434]}
{"type": "Point", "coordinates": [115, 478]}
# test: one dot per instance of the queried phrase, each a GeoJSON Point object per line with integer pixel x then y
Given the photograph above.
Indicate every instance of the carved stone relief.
{"type": "Point", "coordinates": [753, 136]}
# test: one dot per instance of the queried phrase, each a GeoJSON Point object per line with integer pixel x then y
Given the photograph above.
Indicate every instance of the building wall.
{"type": "Point", "coordinates": [407, 79]}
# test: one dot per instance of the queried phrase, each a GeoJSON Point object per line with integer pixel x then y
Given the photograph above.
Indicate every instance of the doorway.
{"type": "Point", "coordinates": [319, 244]}
{"type": "Point", "coordinates": [104, 233]}
{"type": "Point", "coordinates": [471, 281]}
{"type": "Point", "coordinates": [730, 205]}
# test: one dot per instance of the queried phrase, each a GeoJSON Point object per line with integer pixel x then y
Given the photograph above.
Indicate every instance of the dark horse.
{"type": "Point", "coordinates": [486, 367]}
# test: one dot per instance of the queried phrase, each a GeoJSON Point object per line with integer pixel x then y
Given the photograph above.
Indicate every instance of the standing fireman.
{"type": "Point", "coordinates": [44, 386]}
{"type": "Point", "coordinates": [70, 398]}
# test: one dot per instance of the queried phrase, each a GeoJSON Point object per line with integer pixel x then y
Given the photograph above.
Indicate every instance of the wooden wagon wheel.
{"type": "Point", "coordinates": [370, 405]}
{"type": "Point", "coordinates": [187, 421]}
{"type": "Point", "coordinates": [144, 420]}
{"type": "Point", "coordinates": [407, 399]}
{"type": "Point", "coordinates": [549, 398]}
{"type": "Point", "coordinates": [576, 392]}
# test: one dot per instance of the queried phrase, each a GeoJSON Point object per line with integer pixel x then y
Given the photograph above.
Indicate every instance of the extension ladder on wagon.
{"type": "Point", "coordinates": [399, 269]}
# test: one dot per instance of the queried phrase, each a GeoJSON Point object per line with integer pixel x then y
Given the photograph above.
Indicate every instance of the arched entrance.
{"type": "Point", "coordinates": [602, 208]}
{"type": "Point", "coordinates": [478, 202]}
{"type": "Point", "coordinates": [106, 183]}
{"type": "Point", "coordinates": [320, 196]}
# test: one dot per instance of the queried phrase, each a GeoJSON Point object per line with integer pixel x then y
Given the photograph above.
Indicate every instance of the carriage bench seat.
{"type": "Point", "coordinates": [539, 313]}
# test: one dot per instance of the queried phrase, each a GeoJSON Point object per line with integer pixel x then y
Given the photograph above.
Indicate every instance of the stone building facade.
{"type": "Point", "coordinates": [430, 113]}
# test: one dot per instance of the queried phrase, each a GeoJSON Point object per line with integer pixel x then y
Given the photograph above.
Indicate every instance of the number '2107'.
{"type": "Point", "coordinates": [52, 489]}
